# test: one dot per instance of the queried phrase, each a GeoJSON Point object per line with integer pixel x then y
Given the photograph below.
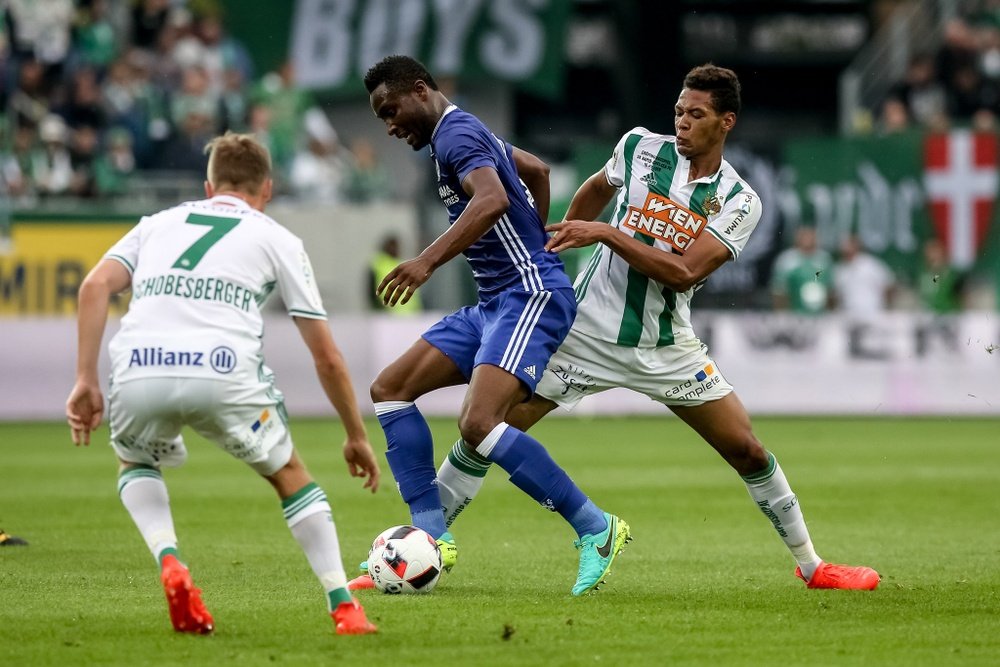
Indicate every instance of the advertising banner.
{"type": "Point", "coordinates": [332, 43]}
{"type": "Point", "coordinates": [44, 263]}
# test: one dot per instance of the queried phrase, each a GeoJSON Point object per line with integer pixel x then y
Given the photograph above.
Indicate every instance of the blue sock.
{"type": "Point", "coordinates": [533, 471]}
{"type": "Point", "coordinates": [411, 459]}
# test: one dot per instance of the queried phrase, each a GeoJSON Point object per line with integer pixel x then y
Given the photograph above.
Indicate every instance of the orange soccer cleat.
{"type": "Point", "coordinates": [362, 582]}
{"type": "Point", "coordinates": [349, 619]}
{"type": "Point", "coordinates": [843, 577]}
{"type": "Point", "coordinates": [187, 611]}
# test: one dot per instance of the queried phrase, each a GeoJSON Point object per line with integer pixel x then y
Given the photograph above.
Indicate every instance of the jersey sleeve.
{"type": "Point", "coordinates": [297, 283]}
{"type": "Point", "coordinates": [126, 249]}
{"type": "Point", "coordinates": [614, 169]}
{"type": "Point", "coordinates": [738, 219]}
{"type": "Point", "coordinates": [465, 150]}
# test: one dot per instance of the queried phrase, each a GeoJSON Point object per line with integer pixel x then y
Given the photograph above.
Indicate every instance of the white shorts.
{"type": "Point", "coordinates": [675, 375]}
{"type": "Point", "coordinates": [146, 416]}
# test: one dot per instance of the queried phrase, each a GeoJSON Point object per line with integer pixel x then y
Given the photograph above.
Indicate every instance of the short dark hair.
{"type": "Point", "coordinates": [720, 82]}
{"type": "Point", "coordinates": [398, 73]}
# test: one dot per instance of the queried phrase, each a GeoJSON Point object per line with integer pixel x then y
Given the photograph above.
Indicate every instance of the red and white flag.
{"type": "Point", "coordinates": [961, 180]}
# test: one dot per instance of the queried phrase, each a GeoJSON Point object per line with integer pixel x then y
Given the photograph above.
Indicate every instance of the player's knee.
{"type": "Point", "coordinates": [474, 427]}
{"type": "Point", "coordinates": [382, 389]}
{"type": "Point", "coordinates": [746, 454]}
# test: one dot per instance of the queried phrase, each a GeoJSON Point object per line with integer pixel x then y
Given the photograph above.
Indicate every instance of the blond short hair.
{"type": "Point", "coordinates": [238, 162]}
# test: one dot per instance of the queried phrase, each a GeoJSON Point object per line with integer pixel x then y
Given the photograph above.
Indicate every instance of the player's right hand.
{"type": "Point", "coordinates": [400, 283]}
{"type": "Point", "coordinates": [361, 462]}
{"type": "Point", "coordinates": [84, 410]}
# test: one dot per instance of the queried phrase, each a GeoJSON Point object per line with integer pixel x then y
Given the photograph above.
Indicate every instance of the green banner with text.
{"type": "Point", "coordinates": [332, 43]}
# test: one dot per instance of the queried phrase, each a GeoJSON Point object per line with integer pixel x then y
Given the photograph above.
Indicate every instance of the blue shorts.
{"type": "Point", "coordinates": [516, 330]}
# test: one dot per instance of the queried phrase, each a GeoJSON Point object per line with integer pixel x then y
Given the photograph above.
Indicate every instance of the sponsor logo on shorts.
{"type": "Point", "coordinates": [573, 378]}
{"type": "Point", "coordinates": [223, 359]}
{"type": "Point", "coordinates": [530, 371]}
{"type": "Point", "coordinates": [693, 389]}
{"type": "Point", "coordinates": [264, 416]}
{"type": "Point", "coordinates": [157, 356]}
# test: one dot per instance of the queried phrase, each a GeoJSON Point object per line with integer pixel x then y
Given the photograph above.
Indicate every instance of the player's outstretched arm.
{"type": "Point", "coordinates": [535, 174]}
{"type": "Point", "coordinates": [85, 405]}
{"type": "Point", "coordinates": [336, 382]}
{"type": "Point", "coordinates": [488, 202]}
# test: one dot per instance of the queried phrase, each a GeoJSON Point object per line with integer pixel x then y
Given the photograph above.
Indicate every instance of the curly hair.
{"type": "Point", "coordinates": [398, 73]}
{"type": "Point", "coordinates": [720, 82]}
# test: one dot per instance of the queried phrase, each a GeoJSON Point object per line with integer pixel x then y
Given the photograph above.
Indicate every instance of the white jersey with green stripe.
{"type": "Point", "coordinates": [656, 204]}
{"type": "Point", "coordinates": [201, 272]}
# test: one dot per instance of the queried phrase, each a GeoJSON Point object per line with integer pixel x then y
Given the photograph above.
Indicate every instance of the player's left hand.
{"type": "Point", "coordinates": [84, 410]}
{"type": "Point", "coordinates": [400, 284]}
{"type": "Point", "coordinates": [574, 234]}
{"type": "Point", "coordinates": [361, 462]}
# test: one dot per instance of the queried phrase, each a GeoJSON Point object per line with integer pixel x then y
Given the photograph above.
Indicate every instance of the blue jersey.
{"type": "Point", "coordinates": [511, 255]}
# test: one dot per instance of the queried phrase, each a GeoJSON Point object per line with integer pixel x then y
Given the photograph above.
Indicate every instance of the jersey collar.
{"type": "Point", "coordinates": [229, 200]}
{"type": "Point", "coordinates": [447, 110]}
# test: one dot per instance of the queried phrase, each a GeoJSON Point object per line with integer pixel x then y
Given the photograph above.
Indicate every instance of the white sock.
{"type": "Point", "coordinates": [459, 479]}
{"type": "Point", "coordinates": [310, 519]}
{"type": "Point", "coordinates": [770, 490]}
{"type": "Point", "coordinates": [144, 495]}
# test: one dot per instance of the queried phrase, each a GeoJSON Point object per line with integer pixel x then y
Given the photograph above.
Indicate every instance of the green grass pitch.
{"type": "Point", "coordinates": [706, 581]}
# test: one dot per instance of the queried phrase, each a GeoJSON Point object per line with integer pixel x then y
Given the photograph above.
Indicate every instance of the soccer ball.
{"type": "Point", "coordinates": [404, 559]}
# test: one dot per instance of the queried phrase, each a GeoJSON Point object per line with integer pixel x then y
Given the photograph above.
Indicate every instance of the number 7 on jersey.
{"type": "Point", "coordinates": [219, 228]}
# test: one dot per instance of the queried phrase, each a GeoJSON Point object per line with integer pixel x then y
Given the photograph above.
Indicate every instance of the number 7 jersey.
{"type": "Point", "coordinates": [201, 272]}
{"type": "Point", "coordinates": [659, 207]}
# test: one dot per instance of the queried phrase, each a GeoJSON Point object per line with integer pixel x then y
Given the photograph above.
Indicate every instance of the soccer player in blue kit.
{"type": "Point", "coordinates": [497, 199]}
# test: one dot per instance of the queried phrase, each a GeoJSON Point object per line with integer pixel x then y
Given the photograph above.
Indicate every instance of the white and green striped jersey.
{"type": "Point", "coordinates": [658, 206]}
{"type": "Point", "coordinates": [201, 272]}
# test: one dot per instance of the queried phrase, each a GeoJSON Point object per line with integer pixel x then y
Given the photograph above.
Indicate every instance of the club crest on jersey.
{"type": "Point", "coordinates": [665, 220]}
{"type": "Point", "coordinates": [711, 205]}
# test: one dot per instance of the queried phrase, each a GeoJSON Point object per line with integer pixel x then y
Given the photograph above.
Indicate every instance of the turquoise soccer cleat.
{"type": "Point", "coordinates": [597, 552]}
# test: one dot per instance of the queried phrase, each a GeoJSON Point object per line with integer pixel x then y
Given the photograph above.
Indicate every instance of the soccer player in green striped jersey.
{"type": "Point", "coordinates": [680, 212]}
{"type": "Point", "coordinates": [190, 352]}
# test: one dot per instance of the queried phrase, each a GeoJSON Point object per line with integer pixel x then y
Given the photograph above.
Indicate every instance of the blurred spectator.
{"type": "Point", "coordinates": [51, 165]}
{"type": "Point", "coordinates": [920, 92]}
{"type": "Point", "coordinates": [15, 165]}
{"type": "Point", "coordinates": [863, 284]}
{"type": "Point", "coordinates": [149, 17]}
{"type": "Point", "coordinates": [318, 168]}
{"type": "Point", "coordinates": [84, 106]}
{"type": "Point", "coordinates": [84, 144]}
{"type": "Point", "coordinates": [194, 97]}
{"type": "Point", "coordinates": [208, 46]}
{"type": "Point", "coordinates": [41, 30]}
{"type": "Point", "coordinates": [366, 179]}
{"type": "Point", "coordinates": [259, 125]}
{"type": "Point", "coordinates": [894, 117]}
{"type": "Point", "coordinates": [185, 151]}
{"type": "Point", "coordinates": [385, 259]}
{"type": "Point", "coordinates": [233, 103]}
{"type": "Point", "coordinates": [28, 104]}
{"type": "Point", "coordinates": [287, 104]}
{"type": "Point", "coordinates": [95, 36]}
{"type": "Point", "coordinates": [115, 166]}
{"type": "Point", "coordinates": [802, 277]}
{"type": "Point", "coordinates": [939, 285]}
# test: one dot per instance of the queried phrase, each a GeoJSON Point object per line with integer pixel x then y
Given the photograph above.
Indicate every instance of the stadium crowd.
{"type": "Point", "coordinates": [956, 84]}
{"type": "Point", "coordinates": [96, 92]}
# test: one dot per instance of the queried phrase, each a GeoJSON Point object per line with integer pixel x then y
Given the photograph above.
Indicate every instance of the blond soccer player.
{"type": "Point", "coordinates": [189, 352]}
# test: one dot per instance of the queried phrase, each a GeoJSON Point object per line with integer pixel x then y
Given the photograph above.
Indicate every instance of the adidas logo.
{"type": "Point", "coordinates": [530, 370]}
{"type": "Point", "coordinates": [649, 179]}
